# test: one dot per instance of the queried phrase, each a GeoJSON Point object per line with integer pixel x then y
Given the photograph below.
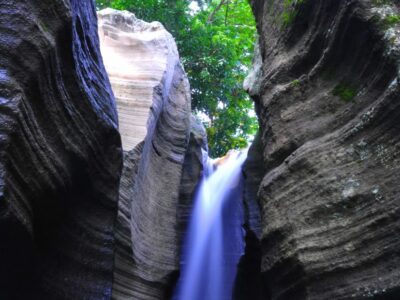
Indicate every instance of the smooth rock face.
{"type": "Point", "coordinates": [135, 54]}
{"type": "Point", "coordinates": [329, 111]}
{"type": "Point", "coordinates": [60, 153]}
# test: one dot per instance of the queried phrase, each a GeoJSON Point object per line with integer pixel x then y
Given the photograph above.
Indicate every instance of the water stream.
{"type": "Point", "coordinates": [214, 240]}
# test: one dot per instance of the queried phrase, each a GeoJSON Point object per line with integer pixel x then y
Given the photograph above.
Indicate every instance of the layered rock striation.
{"type": "Point", "coordinates": [327, 96]}
{"type": "Point", "coordinates": [160, 174]}
{"type": "Point", "coordinates": [60, 153]}
{"type": "Point", "coordinates": [64, 233]}
{"type": "Point", "coordinates": [136, 55]}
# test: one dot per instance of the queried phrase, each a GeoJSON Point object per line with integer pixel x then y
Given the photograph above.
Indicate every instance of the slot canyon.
{"type": "Point", "coordinates": [107, 190]}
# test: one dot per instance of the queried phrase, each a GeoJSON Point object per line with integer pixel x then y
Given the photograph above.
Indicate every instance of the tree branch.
{"type": "Point", "coordinates": [211, 17]}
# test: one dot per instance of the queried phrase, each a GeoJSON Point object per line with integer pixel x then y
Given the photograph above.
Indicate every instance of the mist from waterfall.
{"type": "Point", "coordinates": [214, 241]}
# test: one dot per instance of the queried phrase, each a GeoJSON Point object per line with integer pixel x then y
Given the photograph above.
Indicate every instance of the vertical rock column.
{"type": "Point", "coordinates": [135, 55]}
{"type": "Point", "coordinates": [153, 100]}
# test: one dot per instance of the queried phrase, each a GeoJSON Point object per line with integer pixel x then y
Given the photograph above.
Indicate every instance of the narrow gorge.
{"type": "Point", "coordinates": [104, 167]}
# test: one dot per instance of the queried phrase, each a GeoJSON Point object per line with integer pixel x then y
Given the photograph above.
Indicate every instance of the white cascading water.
{"type": "Point", "coordinates": [214, 241]}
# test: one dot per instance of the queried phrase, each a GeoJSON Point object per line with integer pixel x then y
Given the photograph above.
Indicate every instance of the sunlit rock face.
{"type": "Point", "coordinates": [161, 172]}
{"type": "Point", "coordinates": [329, 111]}
{"type": "Point", "coordinates": [60, 153]}
{"type": "Point", "coordinates": [135, 54]}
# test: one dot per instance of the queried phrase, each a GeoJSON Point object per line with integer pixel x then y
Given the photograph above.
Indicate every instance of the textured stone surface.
{"type": "Point", "coordinates": [127, 283]}
{"type": "Point", "coordinates": [161, 173]}
{"type": "Point", "coordinates": [248, 281]}
{"type": "Point", "coordinates": [60, 153]}
{"type": "Point", "coordinates": [124, 278]}
{"type": "Point", "coordinates": [135, 55]}
{"type": "Point", "coordinates": [156, 191]}
{"type": "Point", "coordinates": [330, 195]}
{"type": "Point", "coordinates": [192, 172]}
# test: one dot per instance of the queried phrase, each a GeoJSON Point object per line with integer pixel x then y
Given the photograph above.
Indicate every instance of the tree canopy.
{"type": "Point", "coordinates": [215, 41]}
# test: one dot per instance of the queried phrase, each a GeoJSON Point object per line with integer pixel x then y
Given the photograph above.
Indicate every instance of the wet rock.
{"type": "Point", "coordinates": [248, 283]}
{"type": "Point", "coordinates": [192, 172]}
{"type": "Point", "coordinates": [329, 116]}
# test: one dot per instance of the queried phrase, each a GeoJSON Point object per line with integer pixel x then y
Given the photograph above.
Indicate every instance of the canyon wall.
{"type": "Point", "coordinates": [135, 55]}
{"type": "Point", "coordinates": [327, 95]}
{"type": "Point", "coordinates": [60, 153]}
{"type": "Point", "coordinates": [70, 228]}
{"type": "Point", "coordinates": [160, 173]}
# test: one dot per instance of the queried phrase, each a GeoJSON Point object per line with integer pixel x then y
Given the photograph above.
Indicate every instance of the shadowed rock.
{"type": "Point", "coordinates": [329, 114]}
{"type": "Point", "coordinates": [60, 153]}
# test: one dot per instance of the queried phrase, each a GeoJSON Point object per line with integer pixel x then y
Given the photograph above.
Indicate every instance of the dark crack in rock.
{"type": "Point", "coordinates": [248, 283]}
{"type": "Point", "coordinates": [60, 153]}
{"type": "Point", "coordinates": [329, 112]}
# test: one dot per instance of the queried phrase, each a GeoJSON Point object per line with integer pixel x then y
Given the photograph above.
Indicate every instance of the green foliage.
{"type": "Point", "coordinates": [216, 47]}
{"type": "Point", "coordinates": [391, 20]}
{"type": "Point", "coordinates": [295, 83]}
{"type": "Point", "coordinates": [290, 11]}
{"type": "Point", "coordinates": [345, 92]}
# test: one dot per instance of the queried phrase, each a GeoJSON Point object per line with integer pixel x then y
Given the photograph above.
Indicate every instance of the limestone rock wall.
{"type": "Point", "coordinates": [128, 283]}
{"type": "Point", "coordinates": [60, 153]}
{"type": "Point", "coordinates": [160, 174]}
{"type": "Point", "coordinates": [329, 110]}
{"type": "Point", "coordinates": [135, 55]}
{"type": "Point", "coordinates": [124, 277]}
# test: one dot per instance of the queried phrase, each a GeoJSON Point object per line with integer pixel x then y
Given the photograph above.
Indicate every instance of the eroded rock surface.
{"type": "Point", "coordinates": [329, 110]}
{"type": "Point", "coordinates": [161, 173]}
{"type": "Point", "coordinates": [60, 153]}
{"type": "Point", "coordinates": [136, 54]}
{"type": "Point", "coordinates": [128, 283]}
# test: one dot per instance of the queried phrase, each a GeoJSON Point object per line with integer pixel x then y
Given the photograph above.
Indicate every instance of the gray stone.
{"type": "Point", "coordinates": [135, 54]}
{"type": "Point", "coordinates": [60, 153]}
{"type": "Point", "coordinates": [329, 127]}
{"type": "Point", "coordinates": [161, 173]}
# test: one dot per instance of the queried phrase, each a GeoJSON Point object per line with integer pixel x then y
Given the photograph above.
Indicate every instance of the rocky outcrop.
{"type": "Point", "coordinates": [124, 278]}
{"type": "Point", "coordinates": [60, 153]}
{"type": "Point", "coordinates": [248, 280]}
{"type": "Point", "coordinates": [135, 55]}
{"type": "Point", "coordinates": [160, 174]}
{"type": "Point", "coordinates": [194, 162]}
{"type": "Point", "coordinates": [127, 283]}
{"type": "Point", "coordinates": [329, 112]}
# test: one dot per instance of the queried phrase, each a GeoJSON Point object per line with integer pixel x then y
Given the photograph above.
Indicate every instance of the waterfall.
{"type": "Point", "coordinates": [214, 240]}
